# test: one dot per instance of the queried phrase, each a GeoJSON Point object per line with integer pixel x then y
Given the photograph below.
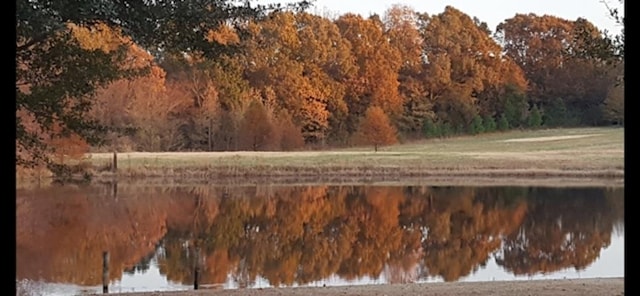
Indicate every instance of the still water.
{"type": "Point", "coordinates": [277, 236]}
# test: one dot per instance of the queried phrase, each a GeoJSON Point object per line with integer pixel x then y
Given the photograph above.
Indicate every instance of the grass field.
{"type": "Point", "coordinates": [575, 153]}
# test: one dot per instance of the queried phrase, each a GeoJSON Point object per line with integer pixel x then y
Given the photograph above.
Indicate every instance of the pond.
{"type": "Point", "coordinates": [279, 236]}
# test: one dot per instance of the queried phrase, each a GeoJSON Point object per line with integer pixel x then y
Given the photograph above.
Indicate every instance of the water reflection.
{"type": "Point", "coordinates": [300, 235]}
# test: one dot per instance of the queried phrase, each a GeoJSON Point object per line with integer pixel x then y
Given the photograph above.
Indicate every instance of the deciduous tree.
{"type": "Point", "coordinates": [375, 82]}
{"type": "Point", "coordinates": [56, 77]}
{"type": "Point", "coordinates": [277, 60]}
{"type": "Point", "coordinates": [614, 105]}
{"type": "Point", "coordinates": [466, 67]}
{"type": "Point", "coordinates": [256, 129]}
{"type": "Point", "coordinates": [376, 128]}
{"type": "Point", "coordinates": [403, 25]}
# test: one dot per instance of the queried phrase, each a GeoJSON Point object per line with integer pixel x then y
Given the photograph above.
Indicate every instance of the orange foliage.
{"type": "Point", "coordinates": [376, 129]}
{"type": "Point", "coordinates": [68, 147]}
{"type": "Point", "coordinates": [62, 234]}
{"type": "Point", "coordinates": [103, 37]}
{"type": "Point", "coordinates": [63, 147]}
{"type": "Point", "coordinates": [292, 235]}
{"type": "Point", "coordinates": [290, 135]}
{"type": "Point", "coordinates": [224, 35]}
{"type": "Point", "coordinates": [378, 62]}
{"type": "Point", "coordinates": [257, 130]}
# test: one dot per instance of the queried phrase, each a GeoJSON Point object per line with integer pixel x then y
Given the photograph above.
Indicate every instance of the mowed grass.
{"type": "Point", "coordinates": [548, 150]}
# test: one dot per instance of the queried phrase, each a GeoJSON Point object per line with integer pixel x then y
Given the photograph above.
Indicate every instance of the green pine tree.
{"type": "Point", "coordinates": [503, 123]}
{"type": "Point", "coordinates": [535, 118]}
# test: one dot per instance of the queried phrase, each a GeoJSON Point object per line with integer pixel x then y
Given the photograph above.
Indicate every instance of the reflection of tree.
{"type": "Point", "coordinates": [565, 228]}
{"type": "Point", "coordinates": [143, 265]}
{"type": "Point", "coordinates": [375, 214]}
{"type": "Point", "coordinates": [465, 229]}
{"type": "Point", "coordinates": [302, 234]}
{"type": "Point", "coordinates": [297, 235]}
{"type": "Point", "coordinates": [62, 232]}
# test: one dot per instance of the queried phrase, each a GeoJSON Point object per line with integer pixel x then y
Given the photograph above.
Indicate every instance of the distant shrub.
{"type": "Point", "coordinates": [535, 118]}
{"type": "Point", "coordinates": [489, 124]}
{"type": "Point", "coordinates": [503, 123]}
{"type": "Point", "coordinates": [446, 130]}
{"type": "Point", "coordinates": [476, 126]}
{"type": "Point", "coordinates": [430, 129]}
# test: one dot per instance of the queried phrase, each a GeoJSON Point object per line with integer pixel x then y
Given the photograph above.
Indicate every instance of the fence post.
{"type": "Point", "coordinates": [196, 271]}
{"type": "Point", "coordinates": [114, 189]}
{"type": "Point", "coordinates": [105, 272]}
{"type": "Point", "coordinates": [115, 162]}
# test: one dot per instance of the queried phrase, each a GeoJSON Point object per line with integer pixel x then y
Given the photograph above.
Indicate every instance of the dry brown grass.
{"type": "Point", "coordinates": [580, 153]}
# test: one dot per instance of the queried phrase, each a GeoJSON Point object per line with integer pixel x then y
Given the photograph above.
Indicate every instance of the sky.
{"type": "Point", "coordinates": [492, 12]}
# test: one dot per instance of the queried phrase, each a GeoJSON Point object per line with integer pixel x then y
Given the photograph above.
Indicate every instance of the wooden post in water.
{"type": "Point", "coordinates": [196, 271]}
{"type": "Point", "coordinates": [114, 167]}
{"type": "Point", "coordinates": [105, 272]}
{"type": "Point", "coordinates": [114, 189]}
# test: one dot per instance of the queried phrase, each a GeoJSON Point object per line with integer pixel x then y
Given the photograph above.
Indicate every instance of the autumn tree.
{"type": "Point", "coordinates": [536, 44]}
{"type": "Point", "coordinates": [256, 129]}
{"type": "Point", "coordinates": [403, 27]}
{"type": "Point", "coordinates": [328, 62]}
{"type": "Point", "coordinates": [467, 70]}
{"type": "Point", "coordinates": [52, 83]}
{"type": "Point", "coordinates": [228, 130]}
{"type": "Point", "coordinates": [290, 135]}
{"type": "Point", "coordinates": [191, 81]}
{"type": "Point", "coordinates": [65, 149]}
{"type": "Point", "coordinates": [375, 80]}
{"type": "Point", "coordinates": [285, 57]}
{"type": "Point", "coordinates": [376, 128]}
{"type": "Point", "coordinates": [561, 59]}
{"type": "Point", "coordinates": [56, 98]}
{"type": "Point", "coordinates": [142, 105]}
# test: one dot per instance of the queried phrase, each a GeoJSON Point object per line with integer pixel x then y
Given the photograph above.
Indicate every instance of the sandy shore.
{"type": "Point", "coordinates": [568, 287]}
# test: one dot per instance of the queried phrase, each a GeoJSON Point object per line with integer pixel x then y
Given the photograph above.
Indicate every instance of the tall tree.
{"type": "Point", "coordinates": [613, 108]}
{"type": "Point", "coordinates": [565, 59]}
{"type": "Point", "coordinates": [290, 135]}
{"type": "Point", "coordinates": [56, 77]}
{"type": "Point", "coordinates": [403, 25]}
{"type": "Point", "coordinates": [277, 60]}
{"type": "Point", "coordinates": [375, 83]}
{"type": "Point", "coordinates": [256, 129]}
{"type": "Point", "coordinates": [466, 66]}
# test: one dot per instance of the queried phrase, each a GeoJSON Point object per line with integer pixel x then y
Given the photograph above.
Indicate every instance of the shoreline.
{"type": "Point", "coordinates": [483, 177]}
{"type": "Point", "coordinates": [570, 287]}
{"type": "Point", "coordinates": [449, 179]}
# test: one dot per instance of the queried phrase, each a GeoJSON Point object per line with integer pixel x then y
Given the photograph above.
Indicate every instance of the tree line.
{"type": "Point", "coordinates": [271, 78]}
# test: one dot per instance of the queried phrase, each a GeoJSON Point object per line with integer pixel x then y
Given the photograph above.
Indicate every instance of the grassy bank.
{"type": "Point", "coordinates": [578, 153]}
{"type": "Point", "coordinates": [568, 287]}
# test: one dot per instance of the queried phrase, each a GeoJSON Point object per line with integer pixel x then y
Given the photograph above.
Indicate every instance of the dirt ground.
{"type": "Point", "coordinates": [565, 287]}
